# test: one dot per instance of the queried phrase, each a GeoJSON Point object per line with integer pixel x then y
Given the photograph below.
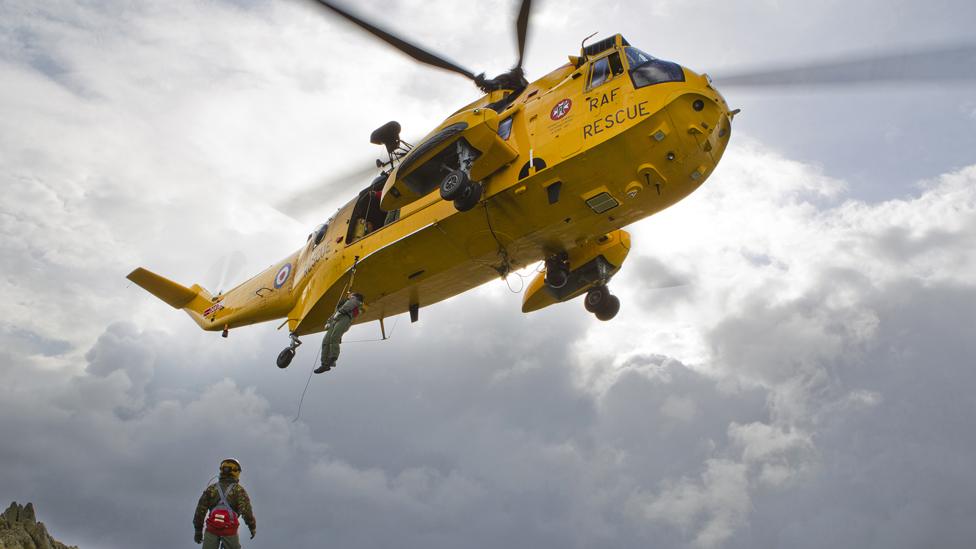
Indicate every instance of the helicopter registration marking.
{"type": "Point", "coordinates": [604, 99]}
{"type": "Point", "coordinates": [317, 253]}
{"type": "Point", "coordinates": [621, 116]}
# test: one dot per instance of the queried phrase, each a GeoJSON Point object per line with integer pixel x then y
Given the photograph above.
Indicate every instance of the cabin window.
{"type": "Point", "coordinates": [646, 69]}
{"type": "Point", "coordinates": [505, 128]}
{"type": "Point", "coordinates": [605, 69]}
{"type": "Point", "coordinates": [367, 216]}
{"type": "Point", "coordinates": [616, 67]}
{"type": "Point", "coordinates": [599, 72]}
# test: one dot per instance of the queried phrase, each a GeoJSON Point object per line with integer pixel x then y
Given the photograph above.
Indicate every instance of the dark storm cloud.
{"type": "Point", "coordinates": [894, 468]}
{"type": "Point", "coordinates": [500, 447]}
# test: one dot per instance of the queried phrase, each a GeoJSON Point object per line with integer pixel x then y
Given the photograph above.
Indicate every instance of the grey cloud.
{"type": "Point", "coordinates": [658, 286]}
{"type": "Point", "coordinates": [500, 447]}
{"type": "Point", "coordinates": [898, 244]}
{"type": "Point", "coordinates": [21, 341]}
{"type": "Point", "coordinates": [121, 349]}
{"type": "Point", "coordinates": [655, 274]}
{"type": "Point", "coordinates": [894, 470]}
{"type": "Point", "coordinates": [813, 331]}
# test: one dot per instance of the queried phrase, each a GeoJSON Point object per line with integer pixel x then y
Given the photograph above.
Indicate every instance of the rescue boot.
{"type": "Point", "coordinates": [325, 367]}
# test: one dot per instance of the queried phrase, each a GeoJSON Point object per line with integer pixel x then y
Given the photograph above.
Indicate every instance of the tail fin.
{"type": "Point", "coordinates": [174, 294]}
{"type": "Point", "coordinates": [194, 300]}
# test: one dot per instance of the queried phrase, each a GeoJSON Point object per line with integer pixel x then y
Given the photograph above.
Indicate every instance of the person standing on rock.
{"type": "Point", "coordinates": [220, 506]}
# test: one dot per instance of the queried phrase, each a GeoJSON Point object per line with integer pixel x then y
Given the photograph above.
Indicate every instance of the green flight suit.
{"type": "Point", "coordinates": [211, 541]}
{"type": "Point", "coordinates": [338, 325]}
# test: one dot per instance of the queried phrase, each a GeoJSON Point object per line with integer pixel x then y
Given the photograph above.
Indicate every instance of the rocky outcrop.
{"type": "Point", "coordinates": [19, 529]}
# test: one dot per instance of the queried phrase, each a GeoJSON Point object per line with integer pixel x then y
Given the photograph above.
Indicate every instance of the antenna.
{"type": "Point", "coordinates": [583, 44]}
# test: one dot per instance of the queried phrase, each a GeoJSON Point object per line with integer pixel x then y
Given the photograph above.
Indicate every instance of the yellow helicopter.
{"type": "Point", "coordinates": [549, 170]}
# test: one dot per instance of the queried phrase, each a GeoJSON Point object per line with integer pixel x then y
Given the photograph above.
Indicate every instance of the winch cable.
{"type": "Point", "coordinates": [505, 269]}
{"type": "Point", "coordinates": [301, 401]}
{"type": "Point", "coordinates": [315, 361]}
{"type": "Point", "coordinates": [502, 250]}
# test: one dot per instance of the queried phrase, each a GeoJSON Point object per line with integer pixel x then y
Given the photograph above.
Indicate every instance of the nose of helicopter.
{"type": "Point", "coordinates": [691, 135]}
{"type": "Point", "coordinates": [704, 82]}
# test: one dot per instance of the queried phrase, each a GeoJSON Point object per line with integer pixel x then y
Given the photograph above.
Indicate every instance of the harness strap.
{"type": "Point", "coordinates": [223, 497]}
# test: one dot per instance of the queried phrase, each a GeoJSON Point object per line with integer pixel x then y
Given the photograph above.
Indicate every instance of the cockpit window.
{"type": "Point", "coordinates": [646, 70]}
{"type": "Point", "coordinates": [320, 233]}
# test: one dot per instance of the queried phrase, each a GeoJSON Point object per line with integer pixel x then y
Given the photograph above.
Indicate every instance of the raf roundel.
{"type": "Point", "coordinates": [561, 109]}
{"type": "Point", "coordinates": [282, 275]}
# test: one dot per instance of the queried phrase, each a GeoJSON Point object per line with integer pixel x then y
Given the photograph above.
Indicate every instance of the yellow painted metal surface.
{"type": "Point", "coordinates": [613, 247]}
{"type": "Point", "coordinates": [645, 148]}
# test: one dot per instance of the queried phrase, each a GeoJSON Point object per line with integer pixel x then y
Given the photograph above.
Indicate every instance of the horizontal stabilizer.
{"type": "Point", "coordinates": [176, 295]}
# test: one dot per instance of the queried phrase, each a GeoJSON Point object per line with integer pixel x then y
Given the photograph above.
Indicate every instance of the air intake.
{"type": "Point", "coordinates": [602, 202]}
{"type": "Point", "coordinates": [603, 45]}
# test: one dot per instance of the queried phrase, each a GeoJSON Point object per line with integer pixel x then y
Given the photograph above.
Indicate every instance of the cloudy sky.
{"type": "Point", "coordinates": [808, 384]}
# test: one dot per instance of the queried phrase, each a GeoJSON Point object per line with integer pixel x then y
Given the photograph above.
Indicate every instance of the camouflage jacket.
{"type": "Point", "coordinates": [238, 499]}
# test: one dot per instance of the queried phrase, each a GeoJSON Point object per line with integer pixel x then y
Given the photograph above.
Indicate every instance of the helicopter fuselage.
{"type": "Point", "coordinates": [578, 155]}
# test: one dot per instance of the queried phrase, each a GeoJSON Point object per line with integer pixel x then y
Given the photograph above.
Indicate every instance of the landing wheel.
{"type": "Point", "coordinates": [609, 309]}
{"type": "Point", "coordinates": [468, 197]}
{"type": "Point", "coordinates": [597, 298]}
{"type": "Point", "coordinates": [557, 271]}
{"type": "Point", "coordinates": [557, 277]}
{"type": "Point", "coordinates": [454, 184]}
{"type": "Point", "coordinates": [285, 356]}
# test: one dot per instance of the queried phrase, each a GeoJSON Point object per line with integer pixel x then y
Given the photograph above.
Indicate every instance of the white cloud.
{"type": "Point", "coordinates": [711, 509]}
{"type": "Point", "coordinates": [791, 366]}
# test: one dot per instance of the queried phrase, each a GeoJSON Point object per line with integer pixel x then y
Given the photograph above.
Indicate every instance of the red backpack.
{"type": "Point", "coordinates": [222, 520]}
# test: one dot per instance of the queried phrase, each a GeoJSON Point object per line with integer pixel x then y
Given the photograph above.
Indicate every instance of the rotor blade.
{"type": "Point", "coordinates": [408, 48]}
{"type": "Point", "coordinates": [522, 28]}
{"type": "Point", "coordinates": [224, 271]}
{"type": "Point", "coordinates": [953, 63]}
{"type": "Point", "coordinates": [334, 191]}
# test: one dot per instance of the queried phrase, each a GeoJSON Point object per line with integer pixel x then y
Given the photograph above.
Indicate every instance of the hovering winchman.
{"type": "Point", "coordinates": [338, 325]}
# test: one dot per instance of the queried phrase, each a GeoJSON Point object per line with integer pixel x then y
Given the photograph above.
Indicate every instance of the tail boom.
{"type": "Point", "coordinates": [195, 300]}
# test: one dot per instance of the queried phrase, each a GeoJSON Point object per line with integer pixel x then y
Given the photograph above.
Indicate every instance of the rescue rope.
{"type": "Point", "coordinates": [506, 260]}
{"type": "Point", "coordinates": [305, 390]}
{"type": "Point", "coordinates": [521, 285]}
{"type": "Point", "coordinates": [502, 250]}
{"type": "Point", "coordinates": [348, 286]}
{"type": "Point", "coordinates": [369, 207]}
